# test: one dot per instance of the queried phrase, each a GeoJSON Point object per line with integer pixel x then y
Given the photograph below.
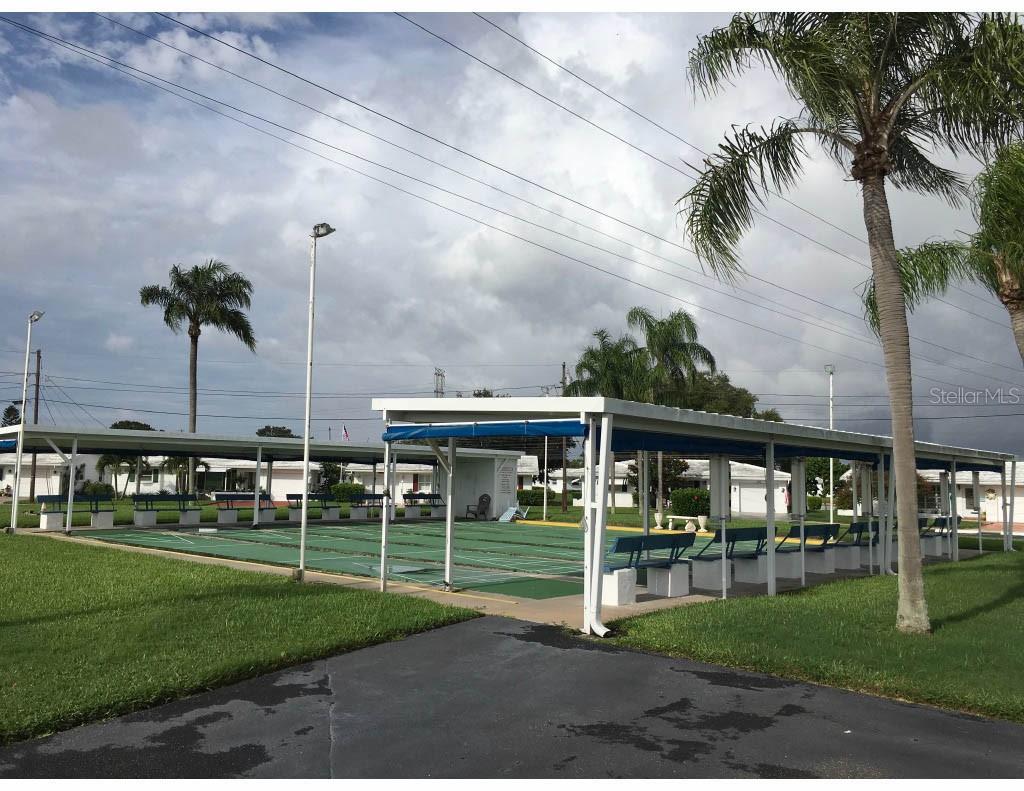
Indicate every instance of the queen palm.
{"type": "Point", "coordinates": [879, 93]}
{"type": "Point", "coordinates": [993, 256]}
{"type": "Point", "coordinates": [211, 295]}
{"type": "Point", "coordinates": [675, 355]}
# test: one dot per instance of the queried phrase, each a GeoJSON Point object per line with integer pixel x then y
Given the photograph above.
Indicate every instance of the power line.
{"type": "Point", "coordinates": [652, 156]}
{"type": "Point", "coordinates": [92, 55]}
{"type": "Point", "coordinates": [683, 140]}
{"type": "Point", "coordinates": [73, 401]}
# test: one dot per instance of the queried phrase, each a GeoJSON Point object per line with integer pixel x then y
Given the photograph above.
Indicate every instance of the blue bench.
{"type": "Point", "coordinates": [54, 509]}
{"type": "Point", "coordinates": [741, 543]}
{"type": "Point", "coordinates": [329, 508]}
{"type": "Point", "coordinates": [360, 504]}
{"type": "Point", "coordinates": [146, 507]}
{"type": "Point", "coordinates": [820, 557]}
{"type": "Point", "coordinates": [667, 569]}
{"type": "Point", "coordinates": [423, 504]}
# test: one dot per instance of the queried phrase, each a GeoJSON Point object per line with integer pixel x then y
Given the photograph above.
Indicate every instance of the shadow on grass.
{"type": "Point", "coordinates": [1010, 596]}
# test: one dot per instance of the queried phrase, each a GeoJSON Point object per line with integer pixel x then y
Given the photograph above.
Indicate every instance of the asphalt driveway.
{"type": "Point", "coordinates": [496, 697]}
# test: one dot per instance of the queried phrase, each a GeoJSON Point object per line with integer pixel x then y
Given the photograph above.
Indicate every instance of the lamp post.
{"type": "Point", "coordinates": [830, 370]}
{"type": "Point", "coordinates": [34, 316]}
{"type": "Point", "coordinates": [320, 230]}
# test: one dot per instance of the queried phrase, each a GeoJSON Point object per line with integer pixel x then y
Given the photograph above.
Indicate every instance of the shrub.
{"type": "Point", "coordinates": [690, 502]}
{"type": "Point", "coordinates": [95, 489]}
{"type": "Point", "coordinates": [814, 502]}
{"type": "Point", "coordinates": [536, 497]}
{"type": "Point", "coordinates": [344, 492]}
{"type": "Point", "coordinates": [844, 497]}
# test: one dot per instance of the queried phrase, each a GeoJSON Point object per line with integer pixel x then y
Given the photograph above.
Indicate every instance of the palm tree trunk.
{"type": "Point", "coordinates": [1016, 311]}
{"type": "Point", "coordinates": [912, 609]}
{"type": "Point", "coordinates": [193, 361]}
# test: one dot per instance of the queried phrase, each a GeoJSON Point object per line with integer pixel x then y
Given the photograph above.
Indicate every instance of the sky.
{"type": "Point", "coordinates": [107, 182]}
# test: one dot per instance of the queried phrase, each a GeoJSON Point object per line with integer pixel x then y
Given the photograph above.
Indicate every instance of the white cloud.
{"type": "Point", "coordinates": [118, 343]}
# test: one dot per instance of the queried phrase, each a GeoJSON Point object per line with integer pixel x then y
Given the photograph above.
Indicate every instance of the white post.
{"type": "Point", "coordinates": [976, 486]}
{"type": "Point", "coordinates": [769, 482]}
{"type": "Point", "coordinates": [891, 518]}
{"type": "Point", "coordinates": [885, 542]}
{"type": "Point", "coordinates": [611, 484]}
{"type": "Point", "coordinates": [642, 493]}
{"type": "Point", "coordinates": [854, 472]}
{"type": "Point", "coordinates": [309, 404]}
{"type": "Point", "coordinates": [588, 517]}
{"type": "Point", "coordinates": [660, 507]}
{"type": "Point", "coordinates": [718, 467]}
{"type": "Point", "coordinates": [830, 370]}
{"type": "Point", "coordinates": [954, 533]}
{"type": "Point", "coordinates": [1002, 506]}
{"type": "Point", "coordinates": [798, 484]}
{"type": "Point", "coordinates": [1013, 498]}
{"type": "Point", "coordinates": [449, 518]}
{"type": "Point", "coordinates": [393, 491]}
{"type": "Point", "coordinates": [21, 432]}
{"type": "Point", "coordinates": [71, 484]}
{"type": "Point", "coordinates": [256, 487]}
{"type": "Point", "coordinates": [607, 461]}
{"type": "Point", "coordinates": [545, 476]}
{"type": "Point", "coordinates": [384, 514]}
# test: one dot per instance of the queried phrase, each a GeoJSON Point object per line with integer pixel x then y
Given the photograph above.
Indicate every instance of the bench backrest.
{"type": "Point", "coordinates": [636, 546]}
{"type": "Point", "coordinates": [51, 499]}
{"type": "Point", "coordinates": [149, 500]}
{"type": "Point", "coordinates": [367, 497]}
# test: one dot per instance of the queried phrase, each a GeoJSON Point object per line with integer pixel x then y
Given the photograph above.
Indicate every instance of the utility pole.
{"type": "Point", "coordinates": [35, 420]}
{"type": "Point", "coordinates": [438, 382]}
{"type": "Point", "coordinates": [830, 370]}
{"type": "Point", "coordinates": [565, 462]}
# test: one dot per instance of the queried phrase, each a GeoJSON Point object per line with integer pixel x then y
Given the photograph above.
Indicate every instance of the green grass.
{"type": "Point", "coordinates": [843, 634]}
{"type": "Point", "coordinates": [89, 632]}
{"type": "Point", "coordinates": [28, 514]}
{"type": "Point", "coordinates": [630, 517]}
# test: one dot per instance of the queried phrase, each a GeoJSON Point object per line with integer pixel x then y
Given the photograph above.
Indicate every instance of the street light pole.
{"type": "Point", "coordinates": [34, 316]}
{"type": "Point", "coordinates": [320, 230]}
{"type": "Point", "coordinates": [830, 370]}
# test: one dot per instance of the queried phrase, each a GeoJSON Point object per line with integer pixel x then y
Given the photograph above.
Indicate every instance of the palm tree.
{"type": "Point", "coordinates": [675, 355]}
{"type": "Point", "coordinates": [180, 466]}
{"type": "Point", "coordinates": [206, 295]}
{"type": "Point", "coordinates": [115, 463]}
{"type": "Point", "coordinates": [879, 93]}
{"type": "Point", "coordinates": [613, 369]}
{"type": "Point", "coordinates": [993, 256]}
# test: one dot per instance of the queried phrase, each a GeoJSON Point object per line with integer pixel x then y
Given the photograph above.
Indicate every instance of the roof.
{"type": "Point", "coordinates": [640, 426]}
{"type": "Point", "coordinates": [173, 443]}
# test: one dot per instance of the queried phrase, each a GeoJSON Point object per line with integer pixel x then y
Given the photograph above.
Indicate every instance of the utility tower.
{"type": "Point", "coordinates": [438, 383]}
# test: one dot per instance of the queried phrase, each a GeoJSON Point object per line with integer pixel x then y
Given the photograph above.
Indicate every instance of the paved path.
{"type": "Point", "coordinates": [495, 697]}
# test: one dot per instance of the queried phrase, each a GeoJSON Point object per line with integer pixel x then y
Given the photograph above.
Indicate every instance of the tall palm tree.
{"type": "Point", "coordinates": [879, 93]}
{"type": "Point", "coordinates": [675, 354]}
{"type": "Point", "coordinates": [993, 256]}
{"type": "Point", "coordinates": [211, 295]}
{"type": "Point", "coordinates": [612, 368]}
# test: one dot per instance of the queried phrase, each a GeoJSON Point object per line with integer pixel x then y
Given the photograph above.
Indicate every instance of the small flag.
{"type": "Point", "coordinates": [344, 431]}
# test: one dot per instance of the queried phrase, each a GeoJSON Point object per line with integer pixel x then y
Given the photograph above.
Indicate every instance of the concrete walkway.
{"type": "Point", "coordinates": [495, 697]}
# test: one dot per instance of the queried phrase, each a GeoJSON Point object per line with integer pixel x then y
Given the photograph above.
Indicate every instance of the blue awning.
{"type": "Point", "coordinates": [516, 428]}
{"type": "Point", "coordinates": [625, 440]}
{"type": "Point", "coordinates": [8, 444]}
{"type": "Point", "coordinates": [798, 451]}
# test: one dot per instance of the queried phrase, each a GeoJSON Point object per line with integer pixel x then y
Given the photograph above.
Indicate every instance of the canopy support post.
{"type": "Point", "coordinates": [449, 517]}
{"type": "Point", "coordinates": [1002, 506]}
{"type": "Point", "coordinates": [769, 482]}
{"type": "Point", "coordinates": [976, 486]}
{"type": "Point", "coordinates": [890, 523]}
{"type": "Point", "coordinates": [544, 512]}
{"type": "Point", "coordinates": [1013, 500]}
{"type": "Point", "coordinates": [256, 487]}
{"type": "Point", "coordinates": [954, 533]}
{"type": "Point", "coordinates": [71, 484]}
{"type": "Point", "coordinates": [385, 512]}
{"type": "Point", "coordinates": [607, 465]}
{"type": "Point", "coordinates": [643, 493]}
{"type": "Point", "coordinates": [587, 522]}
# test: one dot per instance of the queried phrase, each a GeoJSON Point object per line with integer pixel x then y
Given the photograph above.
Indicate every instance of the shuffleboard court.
{"type": "Point", "coordinates": [529, 561]}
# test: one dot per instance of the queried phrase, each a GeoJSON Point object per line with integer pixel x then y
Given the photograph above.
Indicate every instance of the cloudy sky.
{"type": "Point", "coordinates": [107, 182]}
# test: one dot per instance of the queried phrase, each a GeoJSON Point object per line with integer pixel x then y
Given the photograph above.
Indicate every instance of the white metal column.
{"type": "Point", "coordinates": [718, 473]}
{"type": "Point", "coordinates": [1003, 506]}
{"type": "Point", "coordinates": [643, 493]}
{"type": "Point", "coordinates": [891, 517]}
{"type": "Point", "coordinates": [385, 513]}
{"type": "Point", "coordinates": [798, 484]}
{"type": "Point", "coordinates": [607, 463]}
{"type": "Point", "coordinates": [392, 491]}
{"type": "Point", "coordinates": [256, 487]}
{"type": "Point", "coordinates": [449, 517]}
{"type": "Point", "coordinates": [884, 529]}
{"type": "Point", "coordinates": [976, 486]}
{"type": "Point", "coordinates": [588, 515]}
{"type": "Point", "coordinates": [71, 484]}
{"type": "Point", "coordinates": [1013, 498]}
{"type": "Point", "coordinates": [954, 533]}
{"type": "Point", "coordinates": [544, 512]}
{"type": "Point", "coordinates": [769, 483]}
{"type": "Point", "coordinates": [854, 484]}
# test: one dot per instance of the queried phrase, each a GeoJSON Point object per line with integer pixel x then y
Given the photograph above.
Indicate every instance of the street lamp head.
{"type": "Point", "coordinates": [830, 369]}
{"type": "Point", "coordinates": [35, 315]}
{"type": "Point", "coordinates": [322, 229]}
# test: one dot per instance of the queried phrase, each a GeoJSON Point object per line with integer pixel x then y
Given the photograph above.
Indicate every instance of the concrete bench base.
{"type": "Point", "coordinates": [933, 546]}
{"type": "Point", "coordinates": [295, 514]}
{"type": "Point", "coordinates": [331, 513]}
{"type": "Point", "coordinates": [52, 520]}
{"type": "Point", "coordinates": [189, 517]}
{"type": "Point", "coordinates": [671, 582]}
{"type": "Point", "coordinates": [438, 512]}
{"type": "Point", "coordinates": [846, 557]}
{"type": "Point", "coordinates": [416, 511]}
{"type": "Point", "coordinates": [227, 516]}
{"type": "Point", "coordinates": [707, 574]}
{"type": "Point", "coordinates": [821, 562]}
{"type": "Point", "coordinates": [752, 570]}
{"type": "Point", "coordinates": [787, 564]}
{"type": "Point", "coordinates": [358, 512]}
{"type": "Point", "coordinates": [144, 518]}
{"type": "Point", "coordinates": [268, 515]}
{"type": "Point", "coordinates": [618, 588]}
{"type": "Point", "coordinates": [102, 519]}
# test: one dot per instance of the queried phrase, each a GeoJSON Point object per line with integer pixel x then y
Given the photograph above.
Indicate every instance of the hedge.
{"type": "Point", "coordinates": [814, 502]}
{"type": "Point", "coordinates": [344, 492]}
{"type": "Point", "coordinates": [536, 497]}
{"type": "Point", "coordinates": [690, 502]}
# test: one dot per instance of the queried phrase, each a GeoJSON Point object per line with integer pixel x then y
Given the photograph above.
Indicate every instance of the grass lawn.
{"type": "Point", "coordinates": [28, 514]}
{"type": "Point", "coordinates": [89, 632]}
{"type": "Point", "coordinates": [842, 634]}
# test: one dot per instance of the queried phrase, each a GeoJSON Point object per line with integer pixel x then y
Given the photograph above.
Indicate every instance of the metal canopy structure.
{"type": "Point", "coordinates": [611, 425]}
